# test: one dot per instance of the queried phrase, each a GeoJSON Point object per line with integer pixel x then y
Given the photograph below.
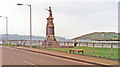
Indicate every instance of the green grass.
{"type": "Point", "coordinates": [98, 51]}
{"type": "Point", "coordinates": [100, 36]}
{"type": "Point", "coordinates": [8, 45]}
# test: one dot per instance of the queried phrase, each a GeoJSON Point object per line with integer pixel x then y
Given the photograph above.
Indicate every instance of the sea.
{"type": "Point", "coordinates": [89, 45]}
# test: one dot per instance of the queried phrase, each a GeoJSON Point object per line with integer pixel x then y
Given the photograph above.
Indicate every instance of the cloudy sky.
{"type": "Point", "coordinates": [72, 18]}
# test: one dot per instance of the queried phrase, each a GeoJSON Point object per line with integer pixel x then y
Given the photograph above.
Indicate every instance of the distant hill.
{"type": "Point", "coordinates": [25, 37]}
{"type": "Point", "coordinates": [99, 36]}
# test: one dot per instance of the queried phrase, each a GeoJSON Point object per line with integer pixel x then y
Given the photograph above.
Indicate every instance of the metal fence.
{"type": "Point", "coordinates": [98, 49]}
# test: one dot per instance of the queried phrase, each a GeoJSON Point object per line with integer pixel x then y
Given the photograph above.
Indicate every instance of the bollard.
{"type": "Point", "coordinates": [93, 49]}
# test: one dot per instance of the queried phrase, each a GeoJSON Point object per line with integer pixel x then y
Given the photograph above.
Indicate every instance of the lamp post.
{"type": "Point", "coordinates": [6, 27]}
{"type": "Point", "coordinates": [30, 23]}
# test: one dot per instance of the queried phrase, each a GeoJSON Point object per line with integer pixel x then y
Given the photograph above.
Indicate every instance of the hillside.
{"type": "Point", "coordinates": [99, 36]}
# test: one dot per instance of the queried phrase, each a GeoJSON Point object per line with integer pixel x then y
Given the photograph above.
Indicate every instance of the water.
{"type": "Point", "coordinates": [95, 45]}
{"type": "Point", "coordinates": [100, 45]}
{"type": "Point", "coordinates": [89, 45]}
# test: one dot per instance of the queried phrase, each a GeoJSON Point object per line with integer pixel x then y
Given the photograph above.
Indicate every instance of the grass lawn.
{"type": "Point", "coordinates": [8, 45]}
{"type": "Point", "coordinates": [98, 51]}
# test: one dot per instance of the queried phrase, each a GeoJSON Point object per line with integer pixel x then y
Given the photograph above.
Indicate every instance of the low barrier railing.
{"type": "Point", "coordinates": [99, 49]}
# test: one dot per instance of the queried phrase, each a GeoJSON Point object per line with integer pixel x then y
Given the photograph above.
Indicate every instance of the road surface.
{"type": "Point", "coordinates": [12, 56]}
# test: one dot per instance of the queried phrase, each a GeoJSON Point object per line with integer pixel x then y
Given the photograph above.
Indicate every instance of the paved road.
{"type": "Point", "coordinates": [12, 56]}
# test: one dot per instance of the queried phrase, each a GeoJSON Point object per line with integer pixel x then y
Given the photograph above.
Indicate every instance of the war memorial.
{"type": "Point", "coordinates": [50, 40]}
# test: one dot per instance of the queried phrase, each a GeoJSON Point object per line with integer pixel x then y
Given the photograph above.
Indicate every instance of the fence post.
{"type": "Point", "coordinates": [7, 42]}
{"type": "Point", "coordinates": [2, 42]}
{"type": "Point", "coordinates": [59, 46]}
{"type": "Point", "coordinates": [52, 47]}
{"type": "Point", "coordinates": [87, 44]}
{"type": "Point", "coordinates": [16, 42]}
{"type": "Point", "coordinates": [111, 49]}
{"type": "Point", "coordinates": [64, 46]}
{"type": "Point", "coordinates": [21, 42]}
{"type": "Point", "coordinates": [13, 42]}
{"type": "Point", "coordinates": [34, 42]}
{"type": "Point", "coordinates": [45, 44]}
{"type": "Point", "coordinates": [68, 47]}
{"type": "Point", "coordinates": [10, 42]}
{"type": "Point", "coordinates": [24, 43]}
{"type": "Point", "coordinates": [39, 43]}
{"type": "Point", "coordinates": [102, 45]}
{"type": "Point", "coordinates": [93, 49]}
{"type": "Point", "coordinates": [79, 45]}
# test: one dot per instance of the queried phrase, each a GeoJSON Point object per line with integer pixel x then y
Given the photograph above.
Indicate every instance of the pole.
{"type": "Point", "coordinates": [30, 28]}
{"type": "Point", "coordinates": [7, 29]}
{"type": "Point", "coordinates": [30, 24]}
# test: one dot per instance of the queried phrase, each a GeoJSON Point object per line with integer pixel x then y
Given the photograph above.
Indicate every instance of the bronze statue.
{"type": "Point", "coordinates": [50, 15]}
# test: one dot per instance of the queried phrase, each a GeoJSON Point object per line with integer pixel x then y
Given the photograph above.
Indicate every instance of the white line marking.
{"type": "Point", "coordinates": [24, 61]}
{"type": "Point", "coordinates": [28, 62]}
